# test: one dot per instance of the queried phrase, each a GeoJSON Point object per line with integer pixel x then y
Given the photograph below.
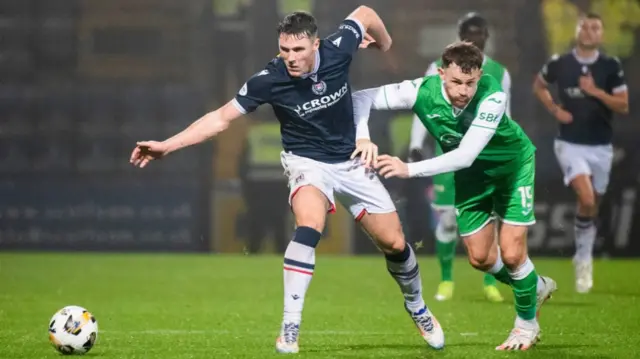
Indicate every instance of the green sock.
{"type": "Point", "coordinates": [489, 279]}
{"type": "Point", "coordinates": [446, 252]}
{"type": "Point", "coordinates": [503, 276]}
{"type": "Point", "coordinates": [524, 290]}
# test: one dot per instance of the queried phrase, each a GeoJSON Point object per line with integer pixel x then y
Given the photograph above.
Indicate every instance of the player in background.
{"type": "Point", "coordinates": [472, 28]}
{"type": "Point", "coordinates": [494, 165]}
{"type": "Point", "coordinates": [326, 154]}
{"type": "Point", "coordinates": [591, 87]}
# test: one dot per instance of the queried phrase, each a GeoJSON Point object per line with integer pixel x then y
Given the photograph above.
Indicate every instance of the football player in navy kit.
{"type": "Point", "coordinates": [325, 154]}
{"type": "Point", "coordinates": [591, 88]}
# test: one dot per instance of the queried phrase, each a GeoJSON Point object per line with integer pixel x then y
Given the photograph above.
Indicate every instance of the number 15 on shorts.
{"type": "Point", "coordinates": [526, 198]}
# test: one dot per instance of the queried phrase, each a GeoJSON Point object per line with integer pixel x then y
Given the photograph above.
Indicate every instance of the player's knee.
{"type": "Point", "coordinates": [311, 220]}
{"type": "Point", "coordinates": [310, 208]}
{"type": "Point", "coordinates": [385, 230]}
{"type": "Point", "coordinates": [587, 205]}
{"type": "Point", "coordinates": [395, 245]}
{"type": "Point", "coordinates": [514, 254]}
{"type": "Point", "coordinates": [481, 260]}
{"type": "Point", "coordinates": [389, 241]}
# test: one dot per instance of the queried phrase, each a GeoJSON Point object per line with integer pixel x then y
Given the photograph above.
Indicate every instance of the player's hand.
{"type": "Point", "coordinates": [147, 151]}
{"type": "Point", "coordinates": [562, 115]}
{"type": "Point", "coordinates": [587, 85]}
{"type": "Point", "coordinates": [415, 155]}
{"type": "Point", "coordinates": [368, 152]}
{"type": "Point", "coordinates": [368, 41]}
{"type": "Point", "coordinates": [389, 166]}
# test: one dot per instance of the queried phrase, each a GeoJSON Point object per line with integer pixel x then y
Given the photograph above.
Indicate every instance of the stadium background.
{"type": "Point", "coordinates": [82, 80]}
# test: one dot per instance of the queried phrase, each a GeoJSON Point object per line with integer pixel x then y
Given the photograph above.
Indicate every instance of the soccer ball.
{"type": "Point", "coordinates": [73, 330]}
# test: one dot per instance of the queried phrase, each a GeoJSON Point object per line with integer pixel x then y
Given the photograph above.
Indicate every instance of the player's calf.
{"type": "Point", "coordinates": [309, 207]}
{"type": "Point", "coordinates": [385, 230]}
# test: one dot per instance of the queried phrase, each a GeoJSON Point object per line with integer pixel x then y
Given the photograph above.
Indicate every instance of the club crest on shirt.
{"type": "Point", "coordinates": [319, 88]}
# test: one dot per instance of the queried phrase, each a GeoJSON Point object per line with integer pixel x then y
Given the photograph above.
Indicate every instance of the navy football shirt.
{"type": "Point", "coordinates": [591, 118]}
{"type": "Point", "coordinates": [315, 111]}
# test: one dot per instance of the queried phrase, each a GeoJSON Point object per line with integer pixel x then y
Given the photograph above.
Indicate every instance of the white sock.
{"type": "Point", "coordinates": [585, 232]}
{"type": "Point", "coordinates": [404, 268]}
{"type": "Point", "coordinates": [526, 324]}
{"type": "Point", "coordinates": [498, 265]}
{"type": "Point", "coordinates": [541, 284]}
{"type": "Point", "coordinates": [299, 264]}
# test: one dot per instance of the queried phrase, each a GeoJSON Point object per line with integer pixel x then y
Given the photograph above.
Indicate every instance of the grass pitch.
{"type": "Point", "coordinates": [210, 306]}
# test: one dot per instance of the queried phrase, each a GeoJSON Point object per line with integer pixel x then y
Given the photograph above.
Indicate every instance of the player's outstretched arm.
{"type": "Point", "coordinates": [373, 25]}
{"type": "Point", "coordinates": [399, 96]}
{"type": "Point", "coordinates": [199, 131]}
{"type": "Point", "coordinates": [482, 128]}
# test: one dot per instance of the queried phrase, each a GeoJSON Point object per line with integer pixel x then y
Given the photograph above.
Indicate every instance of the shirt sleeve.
{"type": "Point", "coordinates": [418, 130]}
{"type": "Point", "coordinates": [506, 87]}
{"type": "Point", "coordinates": [616, 81]}
{"type": "Point", "coordinates": [398, 96]}
{"type": "Point", "coordinates": [480, 132]}
{"type": "Point", "coordinates": [418, 134]}
{"type": "Point", "coordinates": [255, 92]}
{"type": "Point", "coordinates": [349, 36]}
{"type": "Point", "coordinates": [549, 72]}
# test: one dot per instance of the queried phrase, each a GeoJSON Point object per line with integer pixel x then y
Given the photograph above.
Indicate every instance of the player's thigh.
{"type": "Point", "coordinates": [473, 205]}
{"type": "Point", "coordinates": [572, 160]}
{"type": "Point", "coordinates": [310, 190]}
{"type": "Point", "coordinates": [360, 190]}
{"type": "Point", "coordinates": [482, 247]}
{"type": "Point", "coordinates": [600, 161]}
{"type": "Point", "coordinates": [363, 194]}
{"type": "Point", "coordinates": [385, 230]}
{"type": "Point", "coordinates": [515, 194]}
{"type": "Point", "coordinates": [514, 200]}
{"type": "Point", "coordinates": [444, 194]}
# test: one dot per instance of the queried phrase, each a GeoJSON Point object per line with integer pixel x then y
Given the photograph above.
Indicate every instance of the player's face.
{"type": "Point", "coordinates": [460, 86]}
{"type": "Point", "coordinates": [298, 53]}
{"type": "Point", "coordinates": [589, 33]}
{"type": "Point", "coordinates": [476, 36]}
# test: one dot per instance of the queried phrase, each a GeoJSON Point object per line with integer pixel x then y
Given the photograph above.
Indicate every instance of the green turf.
{"type": "Point", "coordinates": [196, 306]}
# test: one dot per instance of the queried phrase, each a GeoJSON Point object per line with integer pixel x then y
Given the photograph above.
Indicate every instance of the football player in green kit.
{"type": "Point", "coordinates": [473, 28]}
{"type": "Point", "coordinates": [493, 162]}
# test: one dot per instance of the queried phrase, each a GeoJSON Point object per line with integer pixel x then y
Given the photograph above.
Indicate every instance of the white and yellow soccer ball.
{"type": "Point", "coordinates": [73, 330]}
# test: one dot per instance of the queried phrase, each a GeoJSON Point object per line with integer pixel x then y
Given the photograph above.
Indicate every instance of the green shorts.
{"type": "Point", "coordinates": [482, 195]}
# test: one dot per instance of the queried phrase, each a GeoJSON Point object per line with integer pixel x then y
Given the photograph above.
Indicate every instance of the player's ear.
{"type": "Point", "coordinates": [441, 72]}
{"type": "Point", "coordinates": [316, 43]}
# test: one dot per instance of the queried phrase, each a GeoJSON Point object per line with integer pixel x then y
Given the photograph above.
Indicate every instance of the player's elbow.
{"type": "Point", "coordinates": [365, 15]}
{"type": "Point", "coordinates": [466, 160]}
{"type": "Point", "coordinates": [370, 20]}
{"type": "Point", "coordinates": [538, 85]}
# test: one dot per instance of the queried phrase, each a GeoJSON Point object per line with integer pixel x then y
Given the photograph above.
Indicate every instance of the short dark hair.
{"type": "Point", "coordinates": [464, 54]}
{"type": "Point", "coordinates": [472, 22]}
{"type": "Point", "coordinates": [299, 24]}
{"type": "Point", "coordinates": [592, 16]}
